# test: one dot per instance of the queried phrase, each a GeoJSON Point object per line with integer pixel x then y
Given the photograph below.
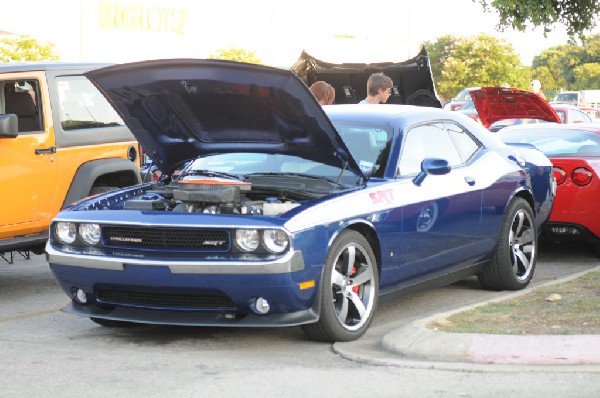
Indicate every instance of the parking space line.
{"type": "Point", "coordinates": [29, 315]}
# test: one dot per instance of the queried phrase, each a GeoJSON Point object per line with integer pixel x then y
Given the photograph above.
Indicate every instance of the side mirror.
{"type": "Point", "coordinates": [9, 125]}
{"type": "Point", "coordinates": [433, 166]}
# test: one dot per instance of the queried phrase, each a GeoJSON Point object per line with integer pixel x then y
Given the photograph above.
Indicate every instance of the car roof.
{"type": "Point", "coordinates": [404, 116]}
{"type": "Point", "coordinates": [47, 66]}
{"type": "Point", "coordinates": [375, 111]}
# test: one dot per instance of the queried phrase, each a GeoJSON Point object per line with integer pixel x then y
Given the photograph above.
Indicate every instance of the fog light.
{"type": "Point", "coordinates": [80, 296]}
{"type": "Point", "coordinates": [261, 306]}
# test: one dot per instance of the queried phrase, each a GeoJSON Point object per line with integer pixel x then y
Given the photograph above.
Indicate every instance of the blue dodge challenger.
{"type": "Point", "coordinates": [274, 211]}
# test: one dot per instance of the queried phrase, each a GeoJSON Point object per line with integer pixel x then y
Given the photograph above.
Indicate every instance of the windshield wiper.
{"type": "Point", "coordinates": [211, 173]}
{"type": "Point", "coordinates": [310, 176]}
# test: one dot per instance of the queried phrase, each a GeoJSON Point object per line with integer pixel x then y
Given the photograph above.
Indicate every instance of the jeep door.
{"type": "Point", "coordinates": [27, 161]}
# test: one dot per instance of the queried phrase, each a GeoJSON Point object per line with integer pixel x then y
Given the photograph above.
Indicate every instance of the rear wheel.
{"type": "Point", "coordinates": [513, 263]}
{"type": "Point", "coordinates": [348, 290]}
{"type": "Point", "coordinates": [597, 250]}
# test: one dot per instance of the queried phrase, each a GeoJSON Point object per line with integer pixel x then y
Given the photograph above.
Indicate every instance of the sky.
{"type": "Point", "coordinates": [276, 30]}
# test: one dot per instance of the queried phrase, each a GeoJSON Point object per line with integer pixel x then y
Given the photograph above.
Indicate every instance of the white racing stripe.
{"type": "Point", "coordinates": [488, 169]}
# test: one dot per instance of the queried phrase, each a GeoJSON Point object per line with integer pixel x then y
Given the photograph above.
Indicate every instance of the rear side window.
{"type": "Point", "coordinates": [576, 116]}
{"type": "Point", "coordinates": [82, 106]}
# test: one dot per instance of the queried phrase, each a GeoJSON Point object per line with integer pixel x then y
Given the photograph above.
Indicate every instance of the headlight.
{"type": "Point", "coordinates": [275, 240]}
{"type": "Point", "coordinates": [66, 232]}
{"type": "Point", "coordinates": [247, 239]}
{"type": "Point", "coordinates": [90, 233]}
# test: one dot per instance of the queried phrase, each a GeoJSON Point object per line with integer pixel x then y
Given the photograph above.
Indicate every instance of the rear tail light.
{"type": "Point", "coordinates": [581, 176]}
{"type": "Point", "coordinates": [560, 175]}
{"type": "Point", "coordinates": [142, 155]}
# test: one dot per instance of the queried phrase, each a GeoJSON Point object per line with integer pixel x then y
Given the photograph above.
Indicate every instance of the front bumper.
{"type": "Point", "coordinates": [181, 318]}
{"type": "Point", "coordinates": [133, 290]}
{"type": "Point", "coordinates": [291, 262]}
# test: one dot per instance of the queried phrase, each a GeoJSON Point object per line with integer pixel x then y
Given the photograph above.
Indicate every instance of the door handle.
{"type": "Point", "coordinates": [41, 151]}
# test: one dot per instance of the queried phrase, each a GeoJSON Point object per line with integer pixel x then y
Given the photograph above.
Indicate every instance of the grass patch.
{"type": "Point", "coordinates": [566, 308]}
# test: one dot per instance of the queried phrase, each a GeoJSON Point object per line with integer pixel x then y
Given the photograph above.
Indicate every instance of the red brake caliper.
{"type": "Point", "coordinates": [356, 288]}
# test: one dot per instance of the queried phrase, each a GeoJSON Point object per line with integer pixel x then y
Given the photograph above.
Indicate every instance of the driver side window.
{"type": "Point", "coordinates": [429, 140]}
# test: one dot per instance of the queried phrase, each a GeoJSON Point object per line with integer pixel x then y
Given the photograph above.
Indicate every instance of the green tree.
{"type": "Point", "coordinates": [236, 54]}
{"type": "Point", "coordinates": [26, 48]}
{"type": "Point", "coordinates": [570, 66]}
{"type": "Point", "coordinates": [587, 76]}
{"type": "Point", "coordinates": [482, 60]}
{"type": "Point", "coordinates": [578, 16]}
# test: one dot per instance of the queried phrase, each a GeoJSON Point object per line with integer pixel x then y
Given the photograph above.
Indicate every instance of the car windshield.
{"type": "Point", "coordinates": [557, 143]}
{"type": "Point", "coordinates": [566, 97]}
{"type": "Point", "coordinates": [464, 95]}
{"type": "Point", "coordinates": [561, 114]}
{"type": "Point", "coordinates": [368, 144]}
{"type": "Point", "coordinates": [469, 104]}
{"type": "Point", "coordinates": [245, 165]}
{"type": "Point", "coordinates": [500, 124]}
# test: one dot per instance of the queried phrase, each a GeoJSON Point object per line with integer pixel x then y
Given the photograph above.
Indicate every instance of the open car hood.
{"type": "Point", "coordinates": [413, 81]}
{"type": "Point", "coordinates": [497, 103]}
{"type": "Point", "coordinates": [180, 109]}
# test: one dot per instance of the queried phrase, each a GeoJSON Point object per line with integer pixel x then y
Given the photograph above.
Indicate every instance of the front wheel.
{"type": "Point", "coordinates": [348, 290]}
{"type": "Point", "coordinates": [513, 262]}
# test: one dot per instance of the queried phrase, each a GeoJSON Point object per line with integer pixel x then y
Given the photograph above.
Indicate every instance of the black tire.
{"type": "Point", "coordinates": [513, 262]}
{"type": "Point", "coordinates": [597, 250]}
{"type": "Point", "coordinates": [99, 190]}
{"type": "Point", "coordinates": [348, 290]}
{"type": "Point", "coordinates": [111, 323]}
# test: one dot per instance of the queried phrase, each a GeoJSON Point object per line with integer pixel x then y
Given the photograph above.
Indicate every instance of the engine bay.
{"type": "Point", "coordinates": [210, 195]}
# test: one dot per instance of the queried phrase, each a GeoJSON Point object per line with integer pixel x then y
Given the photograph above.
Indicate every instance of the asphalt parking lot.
{"type": "Point", "coordinates": [44, 352]}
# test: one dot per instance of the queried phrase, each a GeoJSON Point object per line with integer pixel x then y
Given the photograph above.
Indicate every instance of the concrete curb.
{"type": "Point", "coordinates": [418, 342]}
{"type": "Point", "coordinates": [415, 345]}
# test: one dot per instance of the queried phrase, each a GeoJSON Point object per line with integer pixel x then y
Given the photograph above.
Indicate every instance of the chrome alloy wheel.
{"type": "Point", "coordinates": [352, 285]}
{"type": "Point", "coordinates": [522, 244]}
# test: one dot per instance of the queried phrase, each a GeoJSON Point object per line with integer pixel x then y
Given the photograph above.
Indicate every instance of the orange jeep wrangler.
{"type": "Point", "coordinates": [60, 141]}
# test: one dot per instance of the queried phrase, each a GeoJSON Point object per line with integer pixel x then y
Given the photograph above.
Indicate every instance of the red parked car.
{"type": "Point", "coordinates": [574, 150]}
{"type": "Point", "coordinates": [571, 114]}
{"type": "Point", "coordinates": [498, 107]}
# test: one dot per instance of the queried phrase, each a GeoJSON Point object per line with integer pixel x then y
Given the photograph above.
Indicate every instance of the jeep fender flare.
{"type": "Point", "coordinates": [89, 172]}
